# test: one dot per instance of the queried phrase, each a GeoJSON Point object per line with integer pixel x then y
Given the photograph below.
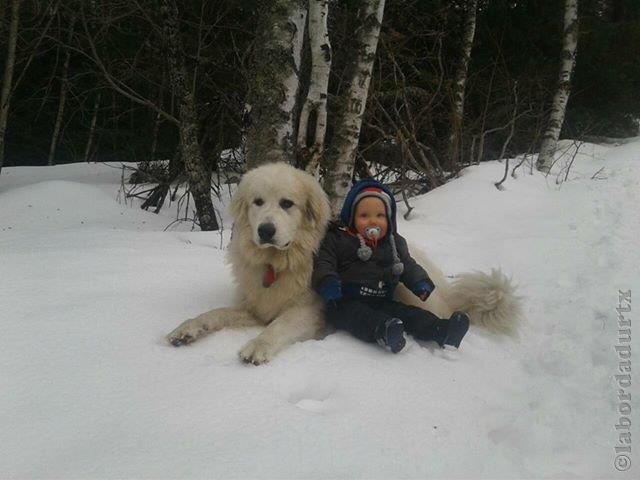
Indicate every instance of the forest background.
{"type": "Point", "coordinates": [92, 80]}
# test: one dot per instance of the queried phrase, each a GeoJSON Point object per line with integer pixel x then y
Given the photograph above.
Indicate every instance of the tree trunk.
{"type": "Point", "coordinates": [156, 125]}
{"type": "Point", "coordinates": [459, 85]}
{"type": "Point", "coordinates": [312, 125]}
{"type": "Point", "coordinates": [92, 129]}
{"type": "Point", "coordinates": [64, 79]}
{"type": "Point", "coordinates": [154, 137]}
{"type": "Point", "coordinates": [199, 176]}
{"type": "Point", "coordinates": [272, 92]}
{"type": "Point", "coordinates": [561, 97]}
{"type": "Point", "coordinates": [7, 78]}
{"type": "Point", "coordinates": [340, 155]}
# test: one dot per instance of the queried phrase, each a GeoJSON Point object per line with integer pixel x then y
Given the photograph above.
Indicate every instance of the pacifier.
{"type": "Point", "coordinates": [372, 233]}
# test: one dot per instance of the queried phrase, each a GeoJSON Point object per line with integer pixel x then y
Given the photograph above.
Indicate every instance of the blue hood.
{"type": "Point", "coordinates": [345, 213]}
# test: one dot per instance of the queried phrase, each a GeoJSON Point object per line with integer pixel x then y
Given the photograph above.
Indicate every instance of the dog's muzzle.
{"type": "Point", "coordinates": [266, 232]}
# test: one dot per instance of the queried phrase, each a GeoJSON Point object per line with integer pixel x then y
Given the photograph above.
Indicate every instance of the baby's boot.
{"type": "Point", "coordinates": [452, 331]}
{"type": "Point", "coordinates": [391, 334]}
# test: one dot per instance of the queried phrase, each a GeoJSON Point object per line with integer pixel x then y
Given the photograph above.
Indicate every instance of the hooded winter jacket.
{"type": "Point", "coordinates": [337, 261]}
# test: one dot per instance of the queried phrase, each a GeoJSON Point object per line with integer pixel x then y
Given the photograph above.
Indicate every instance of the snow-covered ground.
{"type": "Point", "coordinates": [90, 286]}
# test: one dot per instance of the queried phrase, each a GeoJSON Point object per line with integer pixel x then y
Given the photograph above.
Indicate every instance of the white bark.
{"type": "Point", "coordinates": [561, 97]}
{"type": "Point", "coordinates": [316, 101]}
{"type": "Point", "coordinates": [459, 84]}
{"type": "Point", "coordinates": [340, 155]}
{"type": "Point", "coordinates": [274, 86]}
{"type": "Point", "coordinates": [7, 78]}
{"type": "Point", "coordinates": [284, 131]}
{"type": "Point", "coordinates": [64, 79]}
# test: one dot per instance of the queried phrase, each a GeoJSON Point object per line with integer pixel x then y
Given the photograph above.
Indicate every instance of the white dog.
{"type": "Point", "coordinates": [280, 217]}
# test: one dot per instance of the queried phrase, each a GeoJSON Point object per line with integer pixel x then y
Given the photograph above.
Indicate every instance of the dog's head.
{"type": "Point", "coordinates": [279, 206]}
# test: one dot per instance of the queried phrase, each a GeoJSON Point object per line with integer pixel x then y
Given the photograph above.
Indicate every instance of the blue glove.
{"type": "Point", "coordinates": [331, 291]}
{"type": "Point", "coordinates": [422, 289]}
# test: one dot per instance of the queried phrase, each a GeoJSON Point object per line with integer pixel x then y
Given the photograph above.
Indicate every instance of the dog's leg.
{"type": "Point", "coordinates": [295, 324]}
{"type": "Point", "coordinates": [209, 322]}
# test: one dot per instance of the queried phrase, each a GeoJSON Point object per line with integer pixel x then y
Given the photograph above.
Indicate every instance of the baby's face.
{"type": "Point", "coordinates": [370, 212]}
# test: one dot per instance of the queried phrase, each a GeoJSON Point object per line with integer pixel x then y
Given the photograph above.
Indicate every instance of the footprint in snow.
{"type": "Point", "coordinates": [315, 399]}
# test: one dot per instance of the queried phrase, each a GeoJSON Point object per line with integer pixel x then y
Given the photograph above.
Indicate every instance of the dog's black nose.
{"type": "Point", "coordinates": [266, 231]}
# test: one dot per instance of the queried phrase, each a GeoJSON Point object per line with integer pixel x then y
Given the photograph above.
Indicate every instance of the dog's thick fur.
{"type": "Point", "coordinates": [288, 308]}
{"type": "Point", "coordinates": [490, 300]}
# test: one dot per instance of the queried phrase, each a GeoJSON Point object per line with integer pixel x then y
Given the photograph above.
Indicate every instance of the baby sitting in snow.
{"type": "Point", "coordinates": [358, 267]}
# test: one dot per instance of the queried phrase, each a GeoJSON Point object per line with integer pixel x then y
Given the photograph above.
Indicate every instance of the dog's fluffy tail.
{"type": "Point", "coordinates": [490, 300]}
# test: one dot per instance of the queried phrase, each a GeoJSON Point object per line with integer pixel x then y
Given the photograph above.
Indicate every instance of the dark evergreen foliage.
{"type": "Point", "coordinates": [516, 43]}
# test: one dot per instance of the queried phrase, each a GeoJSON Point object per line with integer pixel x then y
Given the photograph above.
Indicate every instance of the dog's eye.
{"type": "Point", "coordinates": [286, 204]}
{"type": "Point", "coordinates": [258, 201]}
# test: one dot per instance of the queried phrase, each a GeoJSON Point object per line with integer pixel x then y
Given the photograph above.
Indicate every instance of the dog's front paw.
{"type": "Point", "coordinates": [257, 351]}
{"type": "Point", "coordinates": [185, 334]}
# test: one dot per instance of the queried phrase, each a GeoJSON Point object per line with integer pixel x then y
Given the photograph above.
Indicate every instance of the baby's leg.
{"type": "Point", "coordinates": [358, 318]}
{"type": "Point", "coordinates": [424, 325]}
{"type": "Point", "coordinates": [420, 323]}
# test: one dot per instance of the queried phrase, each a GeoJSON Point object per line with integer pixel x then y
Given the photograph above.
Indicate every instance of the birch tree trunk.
{"type": "Point", "coordinates": [64, 79]}
{"type": "Point", "coordinates": [312, 125]}
{"type": "Point", "coordinates": [459, 85]}
{"type": "Point", "coordinates": [199, 176]}
{"type": "Point", "coordinates": [340, 154]}
{"type": "Point", "coordinates": [7, 78]}
{"type": "Point", "coordinates": [92, 128]}
{"type": "Point", "coordinates": [272, 91]}
{"type": "Point", "coordinates": [561, 97]}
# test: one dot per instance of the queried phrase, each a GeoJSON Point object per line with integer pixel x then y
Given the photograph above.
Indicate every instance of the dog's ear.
{"type": "Point", "coordinates": [317, 209]}
{"type": "Point", "coordinates": [238, 206]}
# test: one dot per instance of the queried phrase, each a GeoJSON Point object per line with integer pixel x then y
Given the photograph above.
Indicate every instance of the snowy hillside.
{"type": "Point", "coordinates": [90, 389]}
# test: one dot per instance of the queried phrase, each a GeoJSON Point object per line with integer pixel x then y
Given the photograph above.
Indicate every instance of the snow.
{"type": "Point", "coordinates": [90, 286]}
